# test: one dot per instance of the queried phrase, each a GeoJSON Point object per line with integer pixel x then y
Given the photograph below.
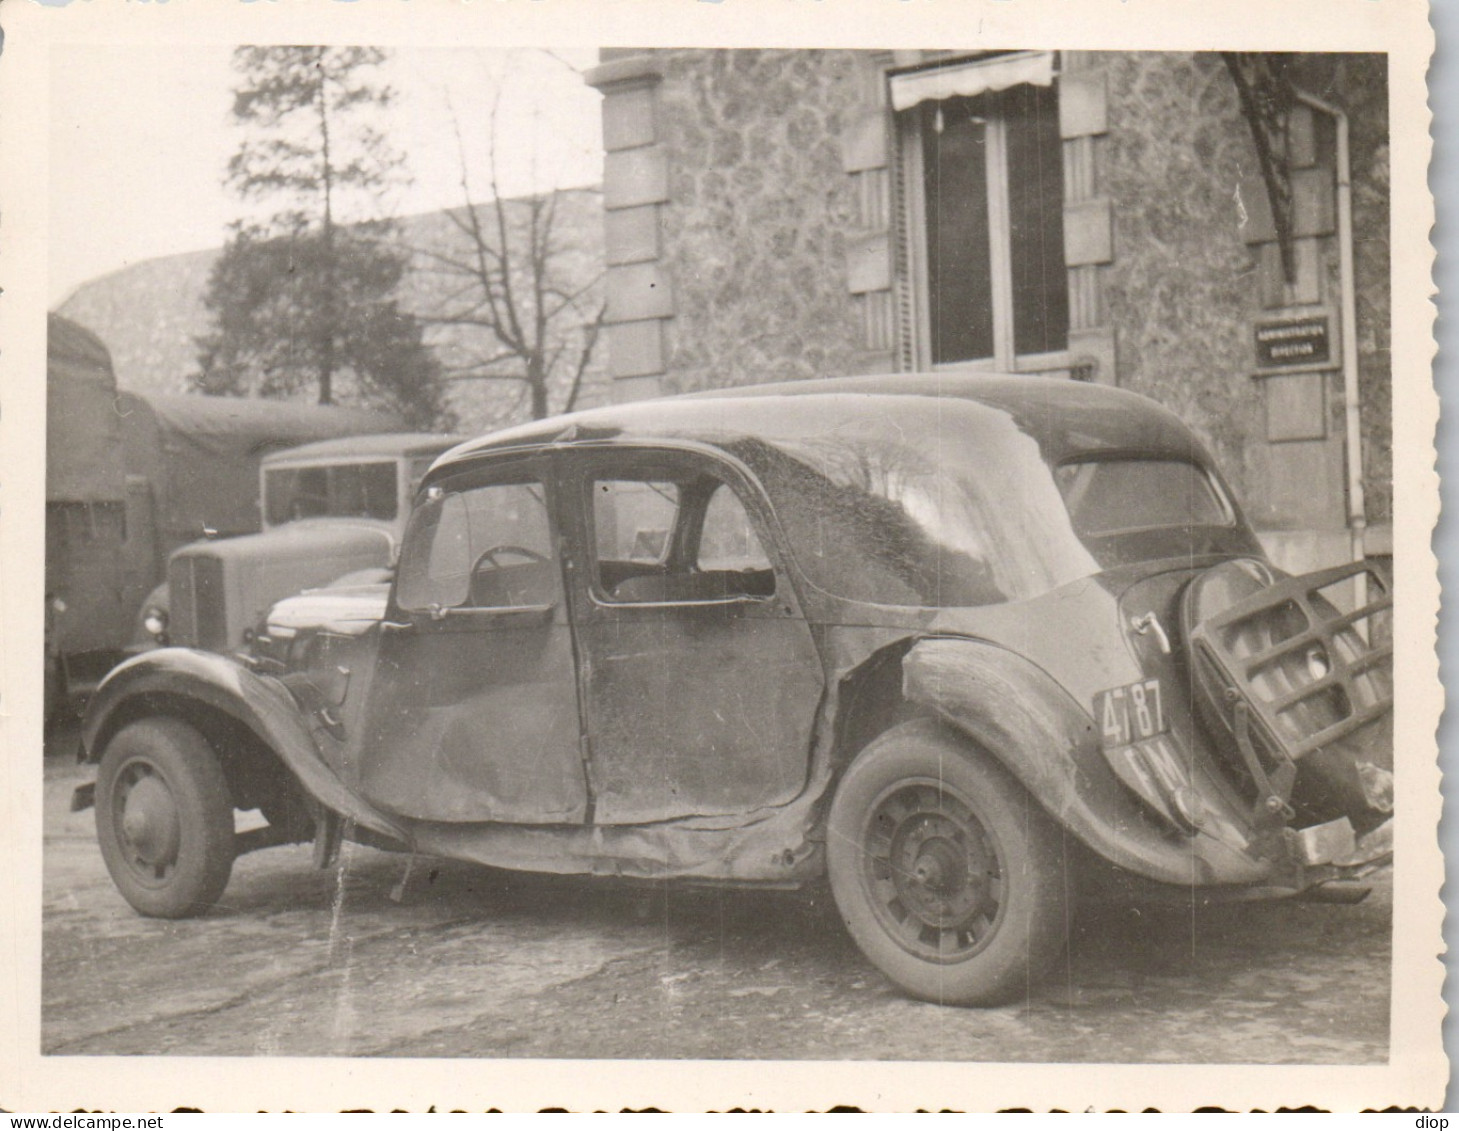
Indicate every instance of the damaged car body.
{"type": "Point", "coordinates": [959, 644]}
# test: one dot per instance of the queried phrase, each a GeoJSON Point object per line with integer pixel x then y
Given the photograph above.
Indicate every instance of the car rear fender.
{"type": "Point", "coordinates": [1015, 712]}
{"type": "Point", "coordinates": [168, 680]}
{"type": "Point", "coordinates": [1010, 708]}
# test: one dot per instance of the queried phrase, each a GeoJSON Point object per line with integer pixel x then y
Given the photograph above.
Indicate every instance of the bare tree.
{"type": "Point", "coordinates": [506, 281]}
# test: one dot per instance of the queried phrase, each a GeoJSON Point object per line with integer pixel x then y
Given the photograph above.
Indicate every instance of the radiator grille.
{"type": "Point", "coordinates": [199, 613]}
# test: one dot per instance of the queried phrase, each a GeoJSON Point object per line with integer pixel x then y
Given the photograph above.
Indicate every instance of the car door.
{"type": "Point", "coordinates": [701, 679]}
{"type": "Point", "coordinates": [474, 708]}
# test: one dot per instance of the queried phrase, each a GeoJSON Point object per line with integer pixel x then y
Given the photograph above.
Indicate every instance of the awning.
{"type": "Point", "coordinates": [971, 78]}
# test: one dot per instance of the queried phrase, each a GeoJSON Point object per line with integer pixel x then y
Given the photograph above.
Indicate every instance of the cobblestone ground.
{"type": "Point", "coordinates": [485, 964]}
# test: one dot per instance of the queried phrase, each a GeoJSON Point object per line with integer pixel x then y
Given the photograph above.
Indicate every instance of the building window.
{"type": "Point", "coordinates": [983, 239]}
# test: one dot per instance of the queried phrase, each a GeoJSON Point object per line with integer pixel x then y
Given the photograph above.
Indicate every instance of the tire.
{"type": "Point", "coordinates": [947, 874]}
{"type": "Point", "coordinates": [164, 818]}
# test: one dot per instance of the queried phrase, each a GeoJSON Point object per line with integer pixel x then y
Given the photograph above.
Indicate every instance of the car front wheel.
{"type": "Point", "coordinates": [948, 875]}
{"type": "Point", "coordinates": [164, 818]}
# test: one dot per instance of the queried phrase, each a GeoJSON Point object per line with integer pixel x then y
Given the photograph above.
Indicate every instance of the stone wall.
{"type": "Point", "coordinates": [756, 239]}
{"type": "Point", "coordinates": [729, 213]}
{"type": "Point", "coordinates": [1181, 289]}
{"type": "Point", "coordinates": [1359, 85]}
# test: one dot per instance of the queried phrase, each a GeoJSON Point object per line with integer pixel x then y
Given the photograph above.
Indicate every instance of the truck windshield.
{"type": "Point", "coordinates": [349, 490]}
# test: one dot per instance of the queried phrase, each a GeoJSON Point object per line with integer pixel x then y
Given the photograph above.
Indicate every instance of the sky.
{"type": "Point", "coordinates": [140, 138]}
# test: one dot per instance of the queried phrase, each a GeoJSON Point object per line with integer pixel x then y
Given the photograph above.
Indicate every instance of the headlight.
{"type": "Point", "coordinates": [154, 620]}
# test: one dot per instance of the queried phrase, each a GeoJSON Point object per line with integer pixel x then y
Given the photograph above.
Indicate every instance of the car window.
{"type": "Point", "coordinates": [632, 518]}
{"type": "Point", "coordinates": [351, 490]}
{"type": "Point", "coordinates": [682, 540]}
{"type": "Point", "coordinates": [488, 547]}
{"type": "Point", "coordinates": [1117, 496]}
{"type": "Point", "coordinates": [728, 539]}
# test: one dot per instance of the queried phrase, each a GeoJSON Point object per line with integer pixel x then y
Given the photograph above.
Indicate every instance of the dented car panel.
{"type": "Point", "coordinates": [442, 744]}
{"type": "Point", "coordinates": [1049, 742]}
{"type": "Point", "coordinates": [832, 628]}
{"type": "Point", "coordinates": [699, 685]}
{"type": "Point", "coordinates": [198, 682]}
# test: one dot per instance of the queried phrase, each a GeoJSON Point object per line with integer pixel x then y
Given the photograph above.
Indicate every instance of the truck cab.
{"type": "Point", "coordinates": [329, 509]}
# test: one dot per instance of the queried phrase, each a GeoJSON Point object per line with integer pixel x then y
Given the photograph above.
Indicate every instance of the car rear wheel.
{"type": "Point", "coordinates": [164, 818]}
{"type": "Point", "coordinates": [946, 872]}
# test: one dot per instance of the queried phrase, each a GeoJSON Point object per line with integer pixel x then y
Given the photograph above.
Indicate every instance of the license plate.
{"type": "Point", "coordinates": [1126, 714]}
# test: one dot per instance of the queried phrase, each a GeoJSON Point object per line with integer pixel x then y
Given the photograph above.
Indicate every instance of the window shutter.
{"type": "Point", "coordinates": [902, 281]}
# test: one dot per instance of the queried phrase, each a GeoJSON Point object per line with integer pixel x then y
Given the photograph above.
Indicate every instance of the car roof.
{"type": "Point", "coordinates": [382, 445]}
{"type": "Point", "coordinates": [1067, 418]}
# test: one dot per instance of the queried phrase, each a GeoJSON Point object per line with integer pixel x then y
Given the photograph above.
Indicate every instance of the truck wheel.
{"type": "Point", "coordinates": [164, 818]}
{"type": "Point", "coordinates": [946, 872]}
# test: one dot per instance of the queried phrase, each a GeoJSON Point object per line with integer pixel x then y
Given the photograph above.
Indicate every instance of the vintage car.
{"type": "Point", "coordinates": [968, 646]}
{"type": "Point", "coordinates": [328, 509]}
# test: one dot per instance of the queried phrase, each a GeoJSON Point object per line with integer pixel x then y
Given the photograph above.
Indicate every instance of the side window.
{"type": "Point", "coordinates": [728, 540]}
{"type": "Point", "coordinates": [675, 541]}
{"type": "Point", "coordinates": [365, 490]}
{"type": "Point", "coordinates": [418, 468]}
{"type": "Point", "coordinates": [488, 547]}
{"type": "Point", "coordinates": [633, 518]}
{"type": "Point", "coordinates": [91, 522]}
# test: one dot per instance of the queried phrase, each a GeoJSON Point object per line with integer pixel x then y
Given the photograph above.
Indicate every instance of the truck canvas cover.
{"type": "Point", "coordinates": [196, 450]}
{"type": "Point", "coordinates": [83, 435]}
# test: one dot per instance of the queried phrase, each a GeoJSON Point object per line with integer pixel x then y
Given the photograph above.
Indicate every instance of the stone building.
{"type": "Point", "coordinates": [1177, 224]}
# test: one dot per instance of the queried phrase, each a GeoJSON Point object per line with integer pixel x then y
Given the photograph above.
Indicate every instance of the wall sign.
{"type": "Point", "coordinates": [1289, 342]}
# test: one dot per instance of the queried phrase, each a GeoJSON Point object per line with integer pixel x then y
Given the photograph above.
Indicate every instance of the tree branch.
{"type": "Point", "coordinates": [590, 340]}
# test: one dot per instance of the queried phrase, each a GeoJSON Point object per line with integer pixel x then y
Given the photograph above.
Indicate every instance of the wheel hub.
{"type": "Point", "coordinates": [940, 876]}
{"type": "Point", "coordinates": [939, 869]}
{"type": "Point", "coordinates": [934, 873]}
{"type": "Point", "coordinates": [149, 822]}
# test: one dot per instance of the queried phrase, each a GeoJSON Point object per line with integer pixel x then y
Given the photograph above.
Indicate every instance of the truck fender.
{"type": "Point", "coordinates": [259, 702]}
{"type": "Point", "coordinates": [1017, 714]}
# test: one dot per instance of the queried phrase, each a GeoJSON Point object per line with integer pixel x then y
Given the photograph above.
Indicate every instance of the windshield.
{"type": "Point", "coordinates": [348, 490]}
{"type": "Point", "coordinates": [943, 511]}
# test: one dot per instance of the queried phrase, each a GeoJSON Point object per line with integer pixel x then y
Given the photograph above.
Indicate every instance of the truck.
{"type": "Point", "coordinates": [130, 478]}
{"type": "Point", "coordinates": [333, 511]}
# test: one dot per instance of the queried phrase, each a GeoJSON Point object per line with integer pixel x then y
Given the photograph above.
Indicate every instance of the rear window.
{"type": "Point", "coordinates": [1124, 496]}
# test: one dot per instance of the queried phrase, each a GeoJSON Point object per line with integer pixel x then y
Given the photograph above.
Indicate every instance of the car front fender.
{"type": "Point", "coordinates": [1017, 713]}
{"type": "Point", "coordinates": [169, 679]}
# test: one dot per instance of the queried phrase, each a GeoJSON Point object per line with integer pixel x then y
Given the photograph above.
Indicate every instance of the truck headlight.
{"type": "Point", "coordinates": [154, 620]}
